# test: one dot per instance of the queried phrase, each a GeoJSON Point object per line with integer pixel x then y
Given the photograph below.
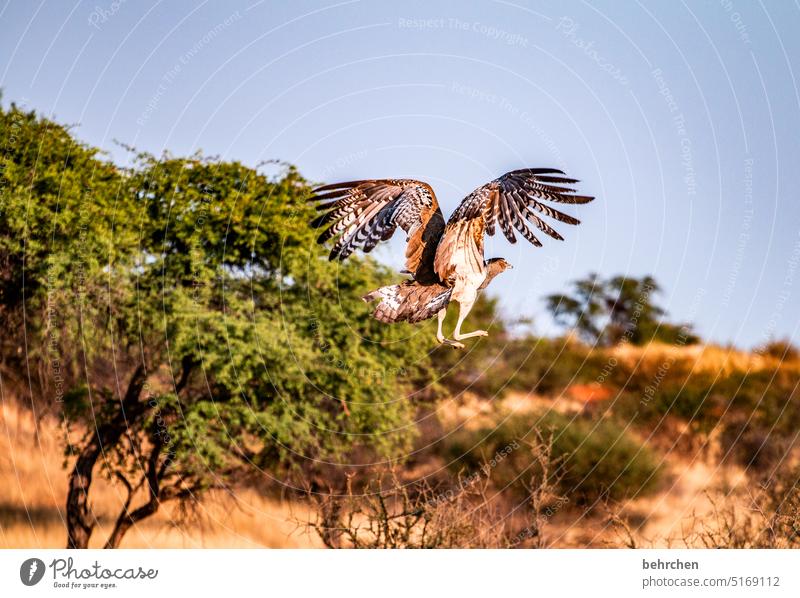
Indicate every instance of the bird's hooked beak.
{"type": "Point", "coordinates": [509, 266]}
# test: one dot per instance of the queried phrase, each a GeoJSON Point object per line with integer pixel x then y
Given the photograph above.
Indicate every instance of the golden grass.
{"type": "Point", "coordinates": [34, 484]}
{"type": "Point", "coordinates": [33, 480]}
{"type": "Point", "coordinates": [704, 358]}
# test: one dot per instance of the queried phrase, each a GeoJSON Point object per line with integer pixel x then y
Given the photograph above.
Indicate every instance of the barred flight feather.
{"type": "Point", "coordinates": [439, 256]}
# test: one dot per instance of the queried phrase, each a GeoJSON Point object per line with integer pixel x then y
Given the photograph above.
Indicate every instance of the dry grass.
{"type": "Point", "coordinates": [704, 358]}
{"type": "Point", "coordinates": [34, 484]}
{"type": "Point", "coordinates": [33, 480]}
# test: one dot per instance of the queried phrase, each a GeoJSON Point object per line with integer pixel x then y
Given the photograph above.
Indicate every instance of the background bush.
{"type": "Point", "coordinates": [595, 459]}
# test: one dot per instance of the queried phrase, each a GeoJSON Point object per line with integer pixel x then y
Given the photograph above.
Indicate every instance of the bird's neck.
{"type": "Point", "coordinates": [492, 270]}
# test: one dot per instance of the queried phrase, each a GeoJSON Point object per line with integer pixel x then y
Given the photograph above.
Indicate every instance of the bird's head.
{"type": "Point", "coordinates": [498, 264]}
{"type": "Point", "coordinates": [493, 267]}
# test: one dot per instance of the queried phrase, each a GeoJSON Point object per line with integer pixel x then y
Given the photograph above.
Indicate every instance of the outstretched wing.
{"type": "Point", "coordinates": [360, 214]}
{"type": "Point", "coordinates": [511, 201]}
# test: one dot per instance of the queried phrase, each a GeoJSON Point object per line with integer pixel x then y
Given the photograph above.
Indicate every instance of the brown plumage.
{"type": "Point", "coordinates": [409, 301]}
{"type": "Point", "coordinates": [445, 261]}
{"type": "Point", "coordinates": [363, 213]}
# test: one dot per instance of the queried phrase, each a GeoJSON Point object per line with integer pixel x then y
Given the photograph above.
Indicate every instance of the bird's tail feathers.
{"type": "Point", "coordinates": [409, 301]}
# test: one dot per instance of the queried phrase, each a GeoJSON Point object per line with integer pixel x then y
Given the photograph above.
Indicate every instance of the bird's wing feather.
{"type": "Point", "coordinates": [510, 203]}
{"type": "Point", "coordinates": [360, 214]}
{"type": "Point", "coordinates": [461, 249]}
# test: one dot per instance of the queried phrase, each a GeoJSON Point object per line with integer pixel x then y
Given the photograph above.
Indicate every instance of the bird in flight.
{"type": "Point", "coordinates": [445, 260]}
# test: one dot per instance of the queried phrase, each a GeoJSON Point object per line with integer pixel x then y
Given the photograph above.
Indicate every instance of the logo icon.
{"type": "Point", "coordinates": [31, 571]}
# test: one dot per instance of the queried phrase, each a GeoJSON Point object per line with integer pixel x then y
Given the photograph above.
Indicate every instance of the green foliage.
{"type": "Point", "coordinates": [500, 363]}
{"type": "Point", "coordinates": [581, 311]}
{"type": "Point", "coordinates": [59, 217]}
{"type": "Point", "coordinates": [619, 309]}
{"type": "Point", "coordinates": [236, 284]}
{"type": "Point", "coordinates": [257, 349]}
{"type": "Point", "coordinates": [55, 198]}
{"type": "Point", "coordinates": [597, 458]}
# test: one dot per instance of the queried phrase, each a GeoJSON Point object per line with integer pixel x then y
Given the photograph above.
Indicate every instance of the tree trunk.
{"type": "Point", "coordinates": [127, 518]}
{"type": "Point", "coordinates": [154, 476]}
{"type": "Point", "coordinates": [80, 520]}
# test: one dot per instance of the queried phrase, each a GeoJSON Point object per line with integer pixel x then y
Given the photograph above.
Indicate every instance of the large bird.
{"type": "Point", "coordinates": [445, 261]}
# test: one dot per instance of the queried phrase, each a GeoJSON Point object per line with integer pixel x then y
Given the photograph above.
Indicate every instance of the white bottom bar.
{"type": "Point", "coordinates": [402, 574]}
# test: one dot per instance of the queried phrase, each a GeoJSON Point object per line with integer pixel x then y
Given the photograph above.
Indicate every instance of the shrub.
{"type": "Point", "coordinates": [597, 459]}
{"type": "Point", "coordinates": [782, 349]}
{"type": "Point", "coordinates": [499, 364]}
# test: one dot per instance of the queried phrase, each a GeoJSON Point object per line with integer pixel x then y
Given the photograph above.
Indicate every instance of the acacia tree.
{"type": "Point", "coordinates": [204, 332]}
{"type": "Point", "coordinates": [256, 349]}
{"type": "Point", "coordinates": [631, 310]}
{"type": "Point", "coordinates": [57, 206]}
{"type": "Point", "coordinates": [581, 311]}
{"type": "Point", "coordinates": [618, 309]}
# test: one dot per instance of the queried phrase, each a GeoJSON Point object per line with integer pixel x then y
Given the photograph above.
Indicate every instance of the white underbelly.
{"type": "Point", "coordinates": [465, 289]}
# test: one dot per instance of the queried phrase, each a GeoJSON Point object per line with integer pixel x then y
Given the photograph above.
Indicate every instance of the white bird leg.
{"type": "Point", "coordinates": [464, 309]}
{"type": "Point", "coordinates": [440, 336]}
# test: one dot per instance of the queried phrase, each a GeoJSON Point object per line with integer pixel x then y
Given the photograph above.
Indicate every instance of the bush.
{"type": "Point", "coordinates": [596, 459]}
{"type": "Point", "coordinates": [782, 349]}
{"type": "Point", "coordinates": [762, 418]}
{"type": "Point", "coordinates": [499, 364]}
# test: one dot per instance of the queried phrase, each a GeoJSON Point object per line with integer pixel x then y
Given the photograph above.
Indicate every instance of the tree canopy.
{"type": "Point", "coordinates": [180, 315]}
{"type": "Point", "coordinates": [617, 309]}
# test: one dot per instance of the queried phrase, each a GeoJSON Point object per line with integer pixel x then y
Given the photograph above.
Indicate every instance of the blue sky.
{"type": "Point", "coordinates": [682, 118]}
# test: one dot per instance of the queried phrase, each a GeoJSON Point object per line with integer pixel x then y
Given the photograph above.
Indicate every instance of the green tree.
{"type": "Point", "coordinates": [202, 330]}
{"type": "Point", "coordinates": [619, 309]}
{"type": "Point", "coordinates": [57, 207]}
{"type": "Point", "coordinates": [583, 310]}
